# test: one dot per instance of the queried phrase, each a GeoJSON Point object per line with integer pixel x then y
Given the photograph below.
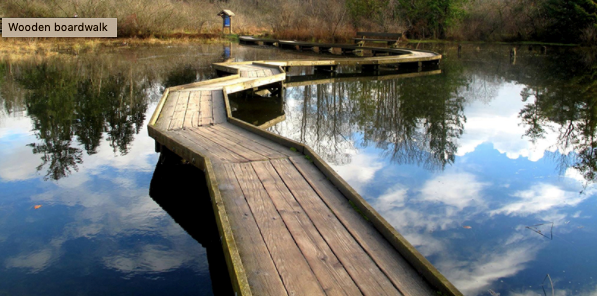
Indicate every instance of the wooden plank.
{"type": "Point", "coordinates": [329, 271]}
{"type": "Point", "coordinates": [294, 270]}
{"type": "Point", "coordinates": [227, 144]}
{"type": "Point", "coordinates": [192, 116]}
{"type": "Point", "coordinates": [206, 111]}
{"type": "Point", "coordinates": [291, 144]}
{"type": "Point", "coordinates": [396, 268]}
{"type": "Point", "coordinates": [166, 113]}
{"type": "Point", "coordinates": [236, 269]}
{"type": "Point", "coordinates": [261, 271]}
{"type": "Point", "coordinates": [209, 148]}
{"type": "Point", "coordinates": [363, 270]}
{"type": "Point", "coordinates": [219, 108]}
{"type": "Point", "coordinates": [408, 251]}
{"type": "Point", "coordinates": [236, 132]}
{"type": "Point", "coordinates": [248, 144]}
{"type": "Point", "coordinates": [180, 111]}
{"type": "Point", "coordinates": [159, 107]}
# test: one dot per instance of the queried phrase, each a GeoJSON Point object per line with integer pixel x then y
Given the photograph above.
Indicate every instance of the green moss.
{"type": "Point", "coordinates": [293, 149]}
{"type": "Point", "coordinates": [358, 210]}
{"type": "Point", "coordinates": [307, 157]}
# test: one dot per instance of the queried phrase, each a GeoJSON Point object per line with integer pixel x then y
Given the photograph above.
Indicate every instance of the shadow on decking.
{"type": "Point", "coordinates": [181, 190]}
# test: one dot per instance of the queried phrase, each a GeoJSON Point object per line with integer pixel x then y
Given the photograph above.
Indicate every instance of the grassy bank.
{"type": "Point", "coordinates": [332, 20]}
{"type": "Point", "coordinates": [17, 48]}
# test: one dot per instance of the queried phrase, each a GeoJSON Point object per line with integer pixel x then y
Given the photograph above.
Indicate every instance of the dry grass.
{"type": "Point", "coordinates": [141, 18]}
{"type": "Point", "coordinates": [289, 19]}
{"type": "Point", "coordinates": [16, 49]}
{"type": "Point", "coordinates": [316, 34]}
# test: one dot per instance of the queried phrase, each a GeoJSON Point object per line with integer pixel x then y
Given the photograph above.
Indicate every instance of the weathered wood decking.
{"type": "Point", "coordinates": [284, 216]}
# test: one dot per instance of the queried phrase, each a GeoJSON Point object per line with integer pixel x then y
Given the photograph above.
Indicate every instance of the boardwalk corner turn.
{"type": "Point", "coordinates": [286, 224]}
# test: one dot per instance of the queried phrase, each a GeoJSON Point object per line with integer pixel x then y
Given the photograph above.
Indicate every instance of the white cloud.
{"type": "Point", "coordinates": [459, 190]}
{"type": "Point", "coordinates": [15, 124]}
{"type": "Point", "coordinates": [151, 258]}
{"type": "Point", "coordinates": [558, 292]}
{"type": "Point", "coordinates": [359, 171]}
{"type": "Point", "coordinates": [392, 198]}
{"type": "Point", "coordinates": [477, 275]}
{"type": "Point", "coordinates": [35, 261]}
{"type": "Point", "coordinates": [498, 123]}
{"type": "Point", "coordinates": [539, 198]}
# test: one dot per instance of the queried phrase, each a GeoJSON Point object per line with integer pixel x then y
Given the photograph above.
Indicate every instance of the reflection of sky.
{"type": "Point", "coordinates": [98, 231]}
{"type": "Point", "coordinates": [470, 219]}
{"type": "Point", "coordinates": [98, 224]}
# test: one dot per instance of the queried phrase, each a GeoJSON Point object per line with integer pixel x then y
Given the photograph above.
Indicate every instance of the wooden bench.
{"type": "Point", "coordinates": [388, 38]}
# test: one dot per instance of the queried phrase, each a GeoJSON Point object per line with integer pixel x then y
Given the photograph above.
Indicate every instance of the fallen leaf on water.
{"type": "Point", "coordinates": [579, 227]}
{"type": "Point", "coordinates": [37, 207]}
{"type": "Point", "coordinates": [466, 227]}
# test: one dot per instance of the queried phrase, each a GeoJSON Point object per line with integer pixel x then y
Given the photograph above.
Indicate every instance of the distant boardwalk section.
{"type": "Point", "coordinates": [289, 224]}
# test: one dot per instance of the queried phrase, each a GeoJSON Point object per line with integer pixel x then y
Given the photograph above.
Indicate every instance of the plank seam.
{"type": "Point", "coordinates": [345, 226]}
{"type": "Point", "coordinates": [269, 252]}
{"type": "Point", "coordinates": [225, 147]}
{"type": "Point", "coordinates": [285, 225]}
{"type": "Point", "coordinates": [317, 228]}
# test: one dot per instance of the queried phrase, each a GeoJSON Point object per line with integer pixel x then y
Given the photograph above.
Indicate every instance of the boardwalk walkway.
{"type": "Point", "coordinates": [286, 222]}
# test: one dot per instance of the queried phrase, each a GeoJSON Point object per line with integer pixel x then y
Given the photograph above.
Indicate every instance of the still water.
{"type": "Point", "coordinates": [85, 208]}
{"type": "Point", "coordinates": [487, 168]}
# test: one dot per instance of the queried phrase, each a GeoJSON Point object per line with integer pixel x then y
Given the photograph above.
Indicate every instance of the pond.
{"type": "Point", "coordinates": [486, 166]}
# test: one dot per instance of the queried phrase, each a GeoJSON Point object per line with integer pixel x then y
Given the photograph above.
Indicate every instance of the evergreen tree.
{"type": "Point", "coordinates": [570, 18]}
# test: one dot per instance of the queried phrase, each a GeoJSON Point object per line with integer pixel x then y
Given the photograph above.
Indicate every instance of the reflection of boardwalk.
{"type": "Point", "coordinates": [286, 222]}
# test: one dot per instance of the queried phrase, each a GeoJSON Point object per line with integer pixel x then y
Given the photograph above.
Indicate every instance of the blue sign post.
{"type": "Point", "coordinates": [227, 20]}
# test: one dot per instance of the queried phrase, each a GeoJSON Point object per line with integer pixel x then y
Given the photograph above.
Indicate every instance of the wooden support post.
{"type": "Point", "coordinates": [325, 68]}
{"type": "Point", "coordinates": [369, 68]}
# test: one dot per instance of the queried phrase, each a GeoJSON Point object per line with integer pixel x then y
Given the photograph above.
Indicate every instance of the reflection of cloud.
{"type": "Point", "coordinates": [475, 276]}
{"type": "Point", "coordinates": [17, 163]}
{"type": "Point", "coordinates": [558, 292]}
{"type": "Point", "coordinates": [392, 198]}
{"type": "Point", "coordinates": [459, 190]}
{"type": "Point", "coordinates": [35, 261]}
{"type": "Point", "coordinates": [151, 258]}
{"type": "Point", "coordinates": [539, 198]}
{"type": "Point", "coordinates": [498, 123]}
{"type": "Point", "coordinates": [124, 211]}
{"type": "Point", "coordinates": [455, 191]}
{"type": "Point", "coordinates": [360, 171]}
{"type": "Point", "coordinates": [106, 201]}
{"type": "Point", "coordinates": [14, 124]}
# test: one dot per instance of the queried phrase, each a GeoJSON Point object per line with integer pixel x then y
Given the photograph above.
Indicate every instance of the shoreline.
{"type": "Point", "coordinates": [13, 47]}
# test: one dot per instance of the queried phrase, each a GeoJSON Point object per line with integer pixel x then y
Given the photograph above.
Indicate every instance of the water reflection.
{"type": "Point", "coordinates": [197, 218]}
{"type": "Point", "coordinates": [98, 232]}
{"type": "Point", "coordinates": [461, 163]}
{"type": "Point", "coordinates": [413, 120]}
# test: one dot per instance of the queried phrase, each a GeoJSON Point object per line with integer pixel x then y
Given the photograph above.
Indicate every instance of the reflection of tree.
{"type": "Point", "coordinates": [565, 100]}
{"type": "Point", "coordinates": [63, 104]}
{"type": "Point", "coordinates": [124, 111]}
{"type": "Point", "coordinates": [180, 76]}
{"type": "Point", "coordinates": [51, 105]}
{"type": "Point", "coordinates": [415, 120]}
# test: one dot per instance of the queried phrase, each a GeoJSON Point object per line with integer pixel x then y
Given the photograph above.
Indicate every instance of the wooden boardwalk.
{"type": "Point", "coordinates": [286, 219]}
